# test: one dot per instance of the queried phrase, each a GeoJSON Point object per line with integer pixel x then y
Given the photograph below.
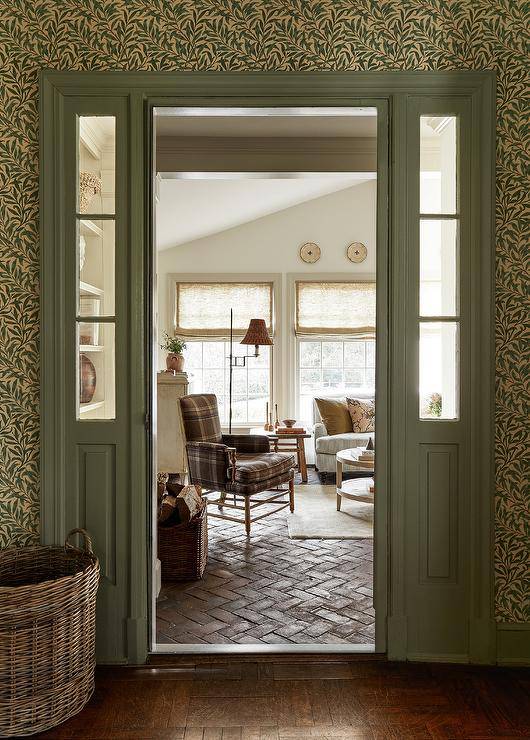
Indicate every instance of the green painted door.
{"type": "Point", "coordinates": [442, 350]}
{"type": "Point", "coordinates": [94, 417]}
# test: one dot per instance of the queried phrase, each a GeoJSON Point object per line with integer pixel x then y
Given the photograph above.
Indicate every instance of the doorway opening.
{"type": "Point", "coordinates": [264, 256]}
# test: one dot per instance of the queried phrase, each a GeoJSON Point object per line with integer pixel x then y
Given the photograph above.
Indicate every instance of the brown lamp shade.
{"type": "Point", "coordinates": [257, 333]}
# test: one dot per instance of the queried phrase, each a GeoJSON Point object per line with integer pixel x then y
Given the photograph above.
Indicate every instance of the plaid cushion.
{"type": "Point", "coordinates": [208, 464]}
{"type": "Point", "coordinates": [247, 442]}
{"type": "Point", "coordinates": [247, 489]}
{"type": "Point", "coordinates": [258, 468]}
{"type": "Point", "coordinates": [200, 417]}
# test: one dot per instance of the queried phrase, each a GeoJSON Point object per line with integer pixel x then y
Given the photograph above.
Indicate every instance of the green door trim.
{"type": "Point", "coordinates": [143, 90]}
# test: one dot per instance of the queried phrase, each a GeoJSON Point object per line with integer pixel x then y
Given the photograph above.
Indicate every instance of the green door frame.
{"type": "Point", "coordinates": [138, 92]}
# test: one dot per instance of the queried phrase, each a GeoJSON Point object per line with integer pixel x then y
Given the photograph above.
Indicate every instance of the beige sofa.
{"type": "Point", "coordinates": [327, 445]}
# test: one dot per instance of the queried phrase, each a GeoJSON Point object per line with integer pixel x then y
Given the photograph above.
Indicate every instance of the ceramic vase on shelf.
{"type": "Point", "coordinates": [174, 362]}
{"type": "Point", "coordinates": [87, 379]}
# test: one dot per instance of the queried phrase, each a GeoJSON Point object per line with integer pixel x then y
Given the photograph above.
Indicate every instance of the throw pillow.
{"type": "Point", "coordinates": [362, 413]}
{"type": "Point", "coordinates": [335, 415]}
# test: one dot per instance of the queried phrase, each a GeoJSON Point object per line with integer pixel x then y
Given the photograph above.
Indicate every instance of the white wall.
{"type": "Point", "coordinates": [271, 244]}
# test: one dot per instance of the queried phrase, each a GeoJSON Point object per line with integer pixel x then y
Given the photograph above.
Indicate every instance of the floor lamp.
{"type": "Point", "coordinates": [257, 335]}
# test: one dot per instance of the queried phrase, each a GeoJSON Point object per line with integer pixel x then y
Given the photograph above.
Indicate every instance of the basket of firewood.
{"type": "Point", "coordinates": [182, 534]}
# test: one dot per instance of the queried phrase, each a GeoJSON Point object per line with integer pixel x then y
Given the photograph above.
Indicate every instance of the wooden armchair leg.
{"type": "Point", "coordinates": [247, 515]}
{"type": "Point", "coordinates": [291, 495]}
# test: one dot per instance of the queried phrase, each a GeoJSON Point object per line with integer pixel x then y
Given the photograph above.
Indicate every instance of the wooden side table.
{"type": "Point", "coordinates": [289, 443]}
{"type": "Point", "coordinates": [357, 490]}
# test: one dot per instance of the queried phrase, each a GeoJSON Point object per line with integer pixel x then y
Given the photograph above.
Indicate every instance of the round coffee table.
{"type": "Point", "coordinates": [360, 489]}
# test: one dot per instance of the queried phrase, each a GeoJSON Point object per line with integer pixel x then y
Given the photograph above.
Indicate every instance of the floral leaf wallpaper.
{"type": "Point", "coordinates": [259, 35]}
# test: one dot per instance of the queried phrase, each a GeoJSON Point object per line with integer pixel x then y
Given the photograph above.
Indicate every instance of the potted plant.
{"type": "Point", "coordinates": [174, 347]}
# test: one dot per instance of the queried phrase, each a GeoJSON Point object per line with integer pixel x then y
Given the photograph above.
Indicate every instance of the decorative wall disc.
{"type": "Point", "coordinates": [310, 252]}
{"type": "Point", "coordinates": [357, 252]}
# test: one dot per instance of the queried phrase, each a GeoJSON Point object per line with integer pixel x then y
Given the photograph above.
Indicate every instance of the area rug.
{"type": "Point", "coordinates": [316, 516]}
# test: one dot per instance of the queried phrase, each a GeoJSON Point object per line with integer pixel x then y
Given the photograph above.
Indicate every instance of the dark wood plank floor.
{"type": "Point", "coordinates": [269, 589]}
{"type": "Point", "coordinates": [278, 700]}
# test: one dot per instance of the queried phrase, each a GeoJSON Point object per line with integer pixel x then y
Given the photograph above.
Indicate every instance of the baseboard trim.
{"type": "Point", "coordinates": [438, 658]}
{"type": "Point", "coordinates": [513, 644]}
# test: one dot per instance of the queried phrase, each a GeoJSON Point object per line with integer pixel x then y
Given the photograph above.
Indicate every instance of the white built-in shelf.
{"type": "Point", "coordinates": [84, 408]}
{"type": "Point", "coordinates": [89, 228]}
{"type": "Point", "coordinates": [88, 139]}
{"type": "Point", "coordinates": [88, 289]}
{"type": "Point", "coordinates": [91, 348]}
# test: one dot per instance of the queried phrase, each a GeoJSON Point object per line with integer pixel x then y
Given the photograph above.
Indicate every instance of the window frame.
{"type": "Point", "coordinates": [169, 320]}
{"type": "Point", "coordinates": [327, 338]}
{"type": "Point", "coordinates": [290, 377]}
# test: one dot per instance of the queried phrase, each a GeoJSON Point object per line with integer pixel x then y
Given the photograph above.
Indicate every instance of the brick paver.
{"type": "Point", "coordinates": [270, 589]}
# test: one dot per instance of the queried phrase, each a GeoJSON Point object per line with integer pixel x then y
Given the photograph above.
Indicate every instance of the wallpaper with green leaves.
{"type": "Point", "coordinates": [259, 35]}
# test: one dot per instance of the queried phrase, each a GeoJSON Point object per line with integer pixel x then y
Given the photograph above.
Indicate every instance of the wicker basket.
{"type": "Point", "coordinates": [183, 549]}
{"type": "Point", "coordinates": [47, 635]}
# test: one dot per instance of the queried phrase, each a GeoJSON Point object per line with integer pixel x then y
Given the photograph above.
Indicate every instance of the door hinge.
{"type": "Point", "coordinates": [147, 422]}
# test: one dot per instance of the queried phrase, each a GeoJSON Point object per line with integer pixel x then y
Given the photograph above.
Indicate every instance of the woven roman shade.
{"type": "Point", "coordinates": [202, 310]}
{"type": "Point", "coordinates": [334, 308]}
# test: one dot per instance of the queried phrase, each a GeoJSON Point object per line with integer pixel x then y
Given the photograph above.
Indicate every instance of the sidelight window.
{"type": "Point", "coordinates": [95, 235]}
{"type": "Point", "coordinates": [439, 231]}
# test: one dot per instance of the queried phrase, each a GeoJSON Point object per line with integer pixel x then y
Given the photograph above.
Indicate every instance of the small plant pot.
{"type": "Point", "coordinates": [174, 362]}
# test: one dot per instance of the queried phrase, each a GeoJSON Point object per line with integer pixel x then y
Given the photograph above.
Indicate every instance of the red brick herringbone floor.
{"type": "Point", "coordinates": [270, 589]}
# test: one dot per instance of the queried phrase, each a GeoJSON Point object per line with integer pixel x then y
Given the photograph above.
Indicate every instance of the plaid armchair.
{"type": "Point", "coordinates": [240, 464]}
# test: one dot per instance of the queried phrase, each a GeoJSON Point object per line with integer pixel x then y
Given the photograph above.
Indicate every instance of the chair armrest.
{"type": "Point", "coordinates": [211, 465]}
{"type": "Point", "coordinates": [248, 442]}
{"type": "Point", "coordinates": [319, 430]}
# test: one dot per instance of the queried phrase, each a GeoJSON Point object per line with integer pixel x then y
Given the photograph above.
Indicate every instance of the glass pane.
{"type": "Point", "coordinates": [239, 408]}
{"type": "Point", "coordinates": [96, 371]}
{"type": "Point", "coordinates": [222, 403]}
{"type": "Point", "coordinates": [438, 268]}
{"type": "Point", "coordinates": [354, 354]}
{"type": "Point", "coordinates": [239, 381]}
{"type": "Point", "coordinates": [193, 355]}
{"type": "Point", "coordinates": [258, 382]}
{"type": "Point", "coordinates": [213, 381]}
{"type": "Point", "coordinates": [369, 378]}
{"type": "Point", "coordinates": [438, 164]}
{"type": "Point", "coordinates": [214, 354]}
{"type": "Point", "coordinates": [257, 407]}
{"type": "Point", "coordinates": [332, 354]}
{"type": "Point", "coordinates": [97, 164]}
{"type": "Point", "coordinates": [95, 259]}
{"type": "Point", "coordinates": [438, 370]}
{"type": "Point", "coordinates": [354, 378]}
{"type": "Point", "coordinates": [370, 353]}
{"type": "Point", "coordinates": [309, 380]}
{"type": "Point", "coordinates": [310, 354]}
{"type": "Point", "coordinates": [332, 379]}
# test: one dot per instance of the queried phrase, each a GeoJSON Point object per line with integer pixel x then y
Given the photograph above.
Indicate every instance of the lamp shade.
{"type": "Point", "coordinates": [257, 333]}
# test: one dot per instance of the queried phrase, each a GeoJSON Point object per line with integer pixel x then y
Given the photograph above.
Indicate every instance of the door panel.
{"type": "Point", "coordinates": [97, 485]}
{"type": "Point", "coordinates": [94, 349]}
{"type": "Point", "coordinates": [438, 512]}
{"type": "Point", "coordinates": [438, 417]}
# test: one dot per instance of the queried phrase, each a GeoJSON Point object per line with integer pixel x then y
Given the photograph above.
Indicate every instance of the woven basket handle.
{"type": "Point", "coordinates": [86, 537]}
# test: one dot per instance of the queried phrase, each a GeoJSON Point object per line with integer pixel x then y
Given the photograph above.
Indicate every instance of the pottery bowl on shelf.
{"type": "Point", "coordinates": [289, 422]}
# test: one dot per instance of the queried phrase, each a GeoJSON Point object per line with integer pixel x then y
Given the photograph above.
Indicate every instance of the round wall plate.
{"type": "Point", "coordinates": [357, 252]}
{"type": "Point", "coordinates": [310, 252]}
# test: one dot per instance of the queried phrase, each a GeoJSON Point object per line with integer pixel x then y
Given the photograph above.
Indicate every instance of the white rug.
{"type": "Point", "coordinates": [316, 517]}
